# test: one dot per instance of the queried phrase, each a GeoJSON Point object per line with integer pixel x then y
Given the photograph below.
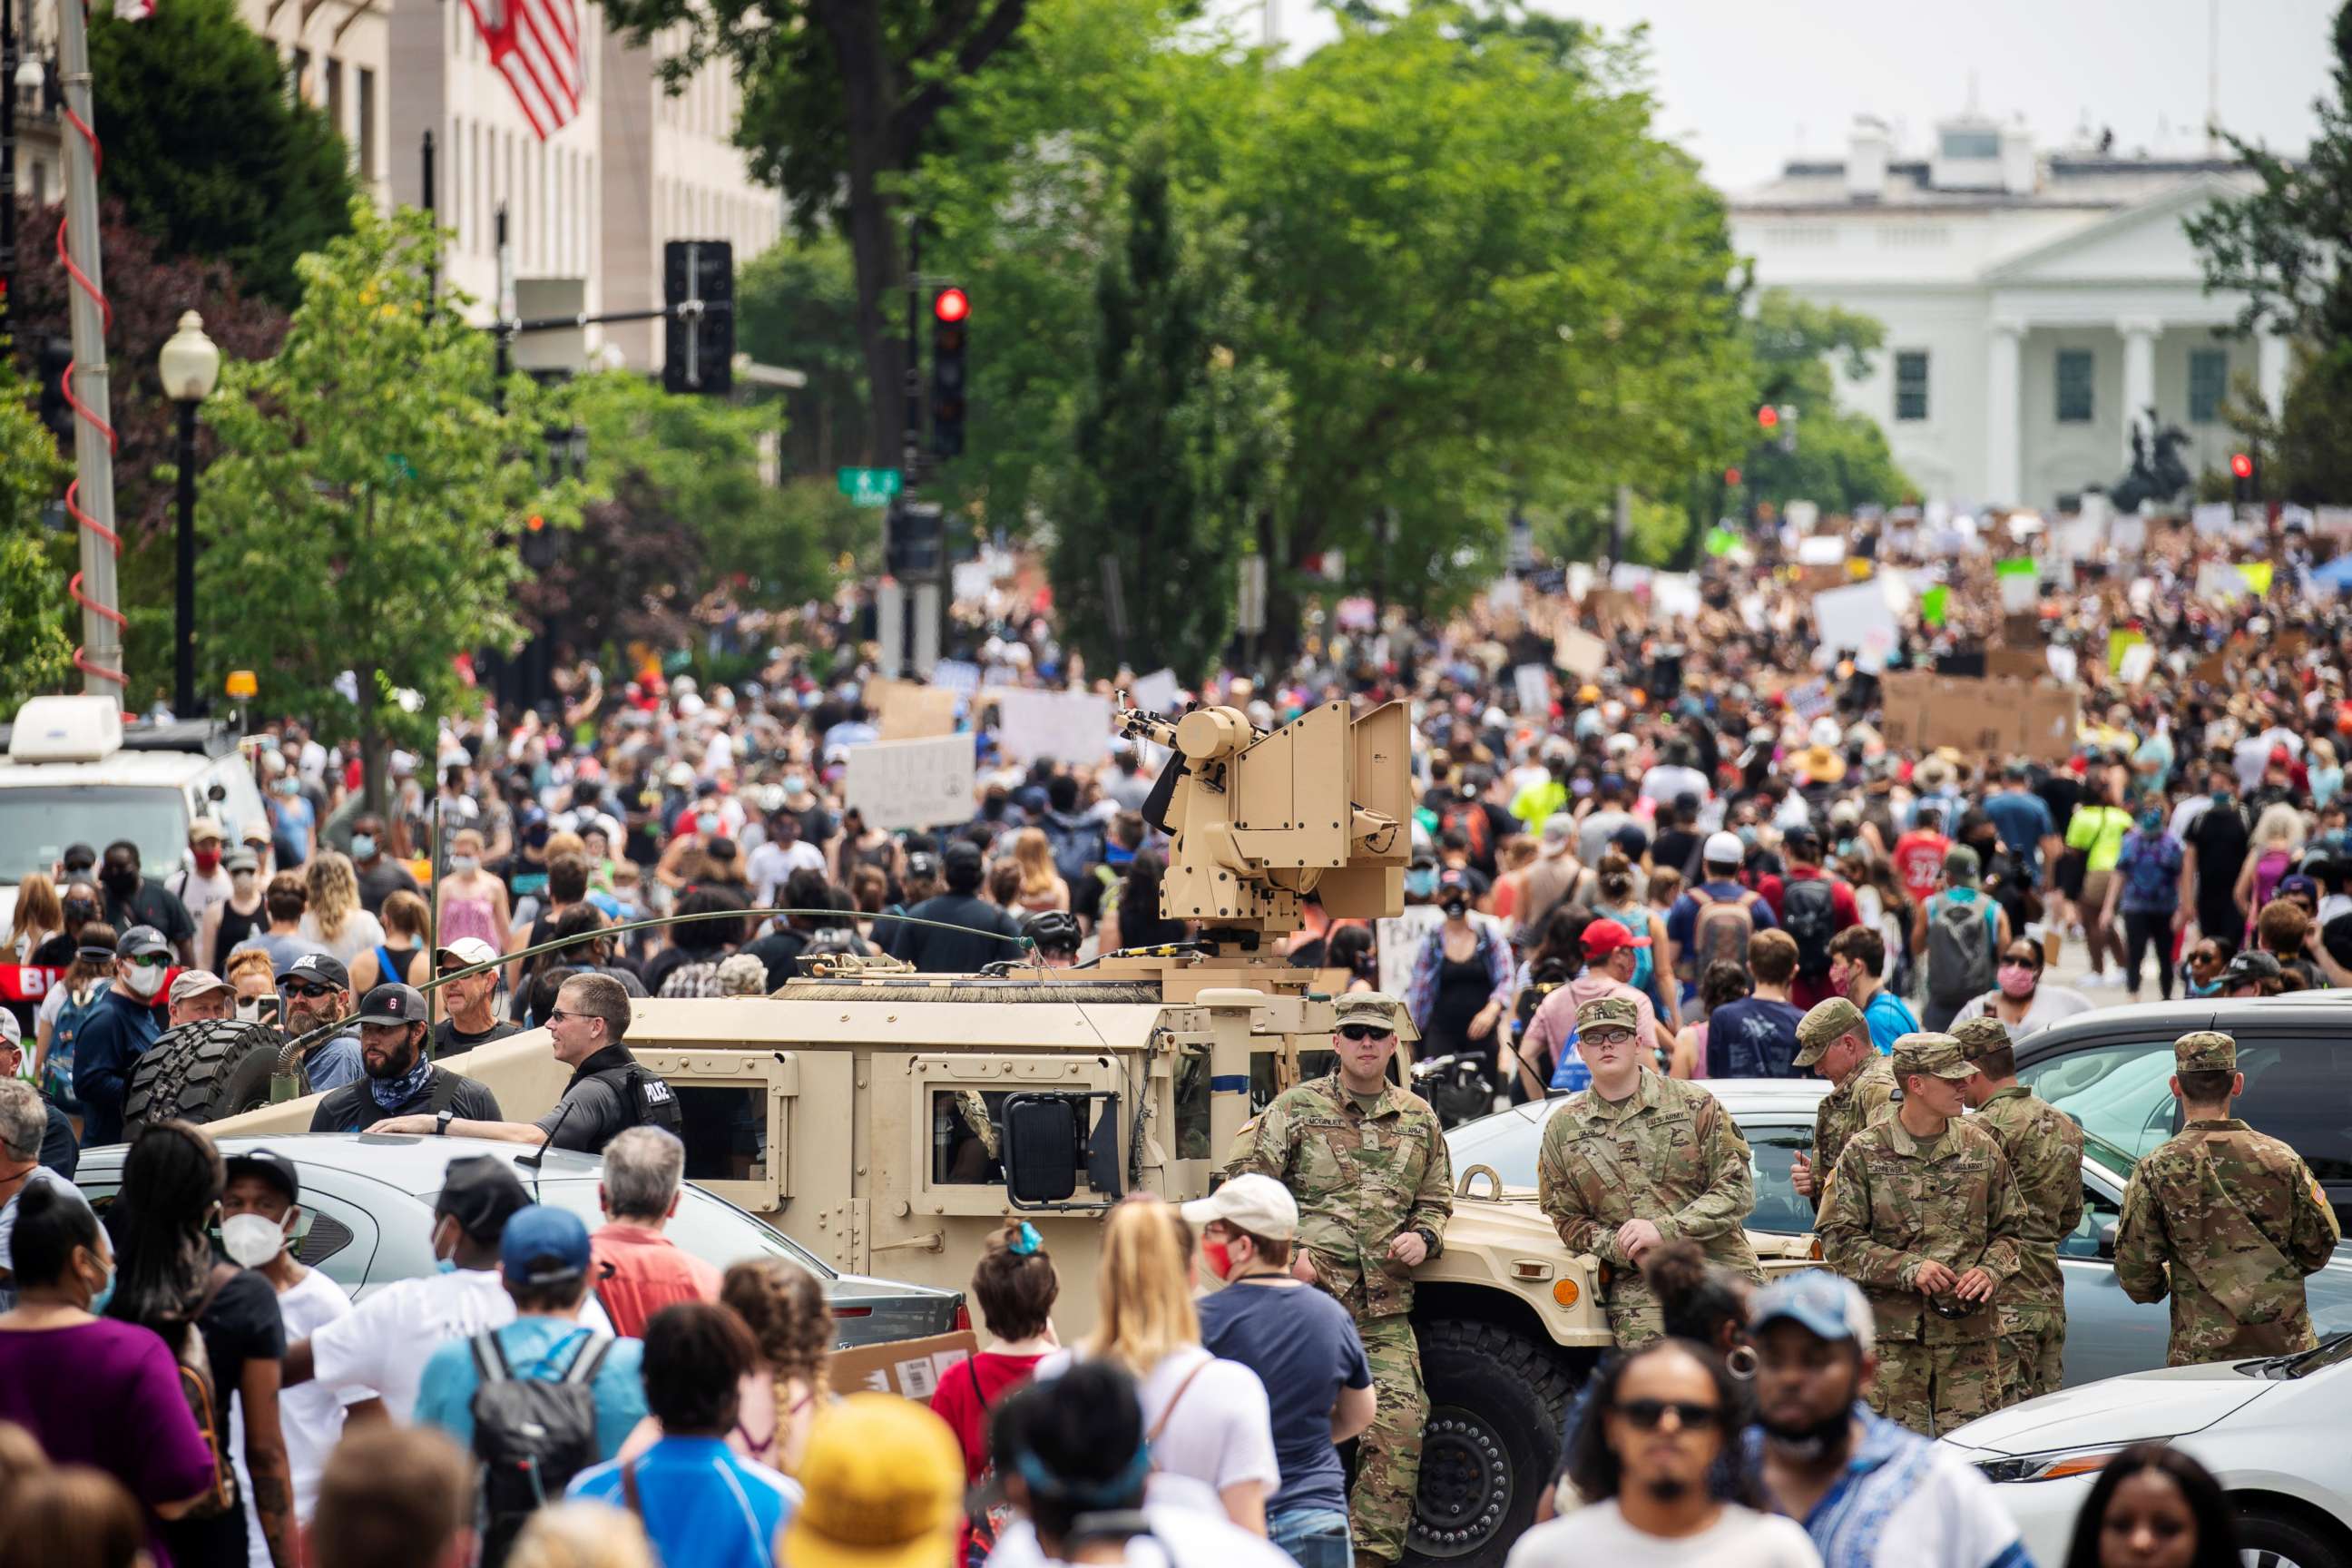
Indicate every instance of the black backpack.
{"type": "Point", "coordinates": [1808, 913]}
{"type": "Point", "coordinates": [533, 1435]}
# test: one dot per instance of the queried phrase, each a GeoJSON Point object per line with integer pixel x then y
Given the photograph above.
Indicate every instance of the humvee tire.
{"type": "Point", "coordinates": [201, 1072]}
{"type": "Point", "coordinates": [1497, 1399]}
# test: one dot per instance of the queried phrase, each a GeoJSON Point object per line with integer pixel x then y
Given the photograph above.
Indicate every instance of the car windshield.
{"type": "Point", "coordinates": [38, 823]}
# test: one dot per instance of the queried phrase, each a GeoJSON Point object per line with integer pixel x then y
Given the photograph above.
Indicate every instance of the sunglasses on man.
{"type": "Point", "coordinates": [1649, 1414]}
{"type": "Point", "coordinates": [1365, 1032]}
{"type": "Point", "coordinates": [304, 988]}
{"type": "Point", "coordinates": [149, 961]}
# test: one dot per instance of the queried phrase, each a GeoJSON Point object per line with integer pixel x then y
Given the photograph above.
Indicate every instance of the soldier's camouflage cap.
{"type": "Point", "coordinates": [1977, 1035]}
{"type": "Point", "coordinates": [1827, 1023]}
{"type": "Point", "coordinates": [2205, 1050]}
{"type": "Point", "coordinates": [1931, 1054]}
{"type": "Point", "coordinates": [1608, 1013]}
{"type": "Point", "coordinates": [1374, 1007]}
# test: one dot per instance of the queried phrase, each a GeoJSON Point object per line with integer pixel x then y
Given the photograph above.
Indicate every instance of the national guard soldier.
{"type": "Point", "coordinates": [1367, 1162]}
{"type": "Point", "coordinates": [1638, 1159]}
{"type": "Point", "coordinates": [1834, 1040]}
{"type": "Point", "coordinates": [1923, 1214]}
{"type": "Point", "coordinates": [2227, 1220]}
{"type": "Point", "coordinates": [2045, 1155]}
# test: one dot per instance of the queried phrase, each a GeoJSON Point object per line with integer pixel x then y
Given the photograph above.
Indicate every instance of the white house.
{"type": "Point", "coordinates": [2036, 304]}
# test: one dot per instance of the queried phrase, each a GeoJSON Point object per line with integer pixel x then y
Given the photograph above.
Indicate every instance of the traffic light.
{"type": "Point", "coordinates": [1731, 476]}
{"type": "Point", "coordinates": [698, 332]}
{"type": "Point", "coordinates": [1768, 417]}
{"type": "Point", "coordinates": [913, 533]}
{"type": "Point", "coordinates": [56, 354]}
{"type": "Point", "coordinates": [2241, 475]}
{"type": "Point", "coordinates": [951, 322]}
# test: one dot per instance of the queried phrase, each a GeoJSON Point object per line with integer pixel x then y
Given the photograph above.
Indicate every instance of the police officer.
{"type": "Point", "coordinates": [1638, 1159]}
{"type": "Point", "coordinates": [2225, 1219]}
{"type": "Point", "coordinates": [1834, 1040]}
{"type": "Point", "coordinates": [1367, 1162]}
{"type": "Point", "coordinates": [1922, 1212]}
{"type": "Point", "coordinates": [2045, 1153]}
{"type": "Point", "coordinates": [610, 1092]}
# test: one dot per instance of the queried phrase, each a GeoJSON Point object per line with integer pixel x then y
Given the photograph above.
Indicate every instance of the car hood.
{"type": "Point", "coordinates": [2171, 1402]}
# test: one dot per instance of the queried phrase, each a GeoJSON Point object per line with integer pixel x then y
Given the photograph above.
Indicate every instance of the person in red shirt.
{"type": "Point", "coordinates": [1802, 848]}
{"type": "Point", "coordinates": [1919, 856]}
{"type": "Point", "coordinates": [639, 1270]}
{"type": "Point", "coordinates": [1015, 1287]}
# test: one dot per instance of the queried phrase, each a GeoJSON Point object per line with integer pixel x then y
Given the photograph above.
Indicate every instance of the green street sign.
{"type": "Point", "coordinates": [870, 487]}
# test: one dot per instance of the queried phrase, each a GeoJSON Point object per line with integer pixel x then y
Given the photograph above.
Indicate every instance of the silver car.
{"type": "Point", "coordinates": [371, 1198]}
{"type": "Point", "coordinates": [2107, 1334]}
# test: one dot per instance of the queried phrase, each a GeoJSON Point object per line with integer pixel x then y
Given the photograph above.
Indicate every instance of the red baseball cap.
{"type": "Point", "coordinates": [1604, 937]}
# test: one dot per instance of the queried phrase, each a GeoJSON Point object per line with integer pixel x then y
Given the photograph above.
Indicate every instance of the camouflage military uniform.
{"type": "Point", "coordinates": [1363, 1178]}
{"type": "Point", "coordinates": [1860, 1098]}
{"type": "Point", "coordinates": [1896, 1202]}
{"type": "Point", "coordinates": [2228, 1221]}
{"type": "Point", "coordinates": [2045, 1153]}
{"type": "Point", "coordinates": [1669, 1153]}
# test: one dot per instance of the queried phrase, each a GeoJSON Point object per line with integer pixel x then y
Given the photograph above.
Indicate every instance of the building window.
{"type": "Point", "coordinates": [1971, 143]}
{"type": "Point", "coordinates": [334, 100]}
{"type": "Point", "coordinates": [365, 141]}
{"type": "Point", "coordinates": [2075, 387]}
{"type": "Point", "coordinates": [2208, 381]}
{"type": "Point", "coordinates": [1911, 383]}
{"type": "Point", "coordinates": [297, 81]}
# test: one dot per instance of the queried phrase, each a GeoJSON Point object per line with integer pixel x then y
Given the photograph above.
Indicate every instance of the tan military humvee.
{"type": "Point", "coordinates": [887, 1120]}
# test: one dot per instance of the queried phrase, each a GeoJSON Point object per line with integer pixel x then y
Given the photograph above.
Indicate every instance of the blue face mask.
{"type": "Point", "coordinates": [363, 846]}
{"type": "Point", "coordinates": [1419, 882]}
{"type": "Point", "coordinates": [445, 1266]}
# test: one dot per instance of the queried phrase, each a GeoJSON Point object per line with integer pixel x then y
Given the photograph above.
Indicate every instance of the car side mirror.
{"type": "Point", "coordinates": [1045, 1144]}
{"type": "Point", "coordinates": [2108, 1238]}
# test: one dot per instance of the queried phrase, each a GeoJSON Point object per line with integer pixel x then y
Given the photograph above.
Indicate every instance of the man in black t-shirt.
{"type": "Point", "coordinates": [2216, 845]}
{"type": "Point", "coordinates": [132, 899]}
{"type": "Point", "coordinates": [473, 1018]}
{"type": "Point", "coordinates": [398, 1079]}
{"type": "Point", "coordinates": [981, 924]}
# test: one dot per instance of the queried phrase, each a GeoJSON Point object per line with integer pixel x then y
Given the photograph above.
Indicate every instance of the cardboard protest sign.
{"type": "Point", "coordinates": [912, 784]}
{"type": "Point", "coordinates": [905, 712]}
{"type": "Point", "coordinates": [2016, 663]}
{"type": "Point", "coordinates": [1579, 653]}
{"type": "Point", "coordinates": [1991, 718]}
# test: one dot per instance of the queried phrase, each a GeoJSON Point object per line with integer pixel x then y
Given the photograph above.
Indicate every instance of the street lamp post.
{"type": "Point", "coordinates": [191, 366]}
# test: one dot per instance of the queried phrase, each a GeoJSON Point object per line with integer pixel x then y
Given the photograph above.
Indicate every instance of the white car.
{"type": "Point", "coordinates": [2272, 1429]}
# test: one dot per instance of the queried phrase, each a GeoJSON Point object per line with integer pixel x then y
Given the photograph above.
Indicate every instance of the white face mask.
{"type": "Point", "coordinates": [465, 865]}
{"type": "Point", "coordinates": [145, 980]}
{"type": "Point", "coordinates": [251, 1240]}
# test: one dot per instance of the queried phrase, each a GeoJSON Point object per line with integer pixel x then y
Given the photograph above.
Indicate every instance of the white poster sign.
{"type": "Point", "coordinates": [1856, 619]}
{"type": "Point", "coordinates": [1534, 684]}
{"type": "Point", "coordinates": [2063, 663]}
{"type": "Point", "coordinates": [1674, 594]}
{"type": "Point", "coordinates": [1068, 726]}
{"type": "Point", "coordinates": [1158, 692]}
{"type": "Point", "coordinates": [2137, 661]}
{"type": "Point", "coordinates": [1822, 549]}
{"type": "Point", "coordinates": [912, 784]}
{"type": "Point", "coordinates": [2219, 582]}
{"type": "Point", "coordinates": [2212, 517]}
{"type": "Point", "coordinates": [1803, 515]}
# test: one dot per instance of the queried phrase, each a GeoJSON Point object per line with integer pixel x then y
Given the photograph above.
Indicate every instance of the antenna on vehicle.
{"type": "Point", "coordinates": [538, 1156]}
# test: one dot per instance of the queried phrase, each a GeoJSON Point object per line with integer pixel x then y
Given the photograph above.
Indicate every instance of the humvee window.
{"type": "Point", "coordinates": [1193, 1107]}
{"type": "Point", "coordinates": [965, 1140]}
{"type": "Point", "coordinates": [726, 1131]}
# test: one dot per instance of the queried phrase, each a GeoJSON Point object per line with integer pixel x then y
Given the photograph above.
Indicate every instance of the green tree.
{"type": "Point", "coordinates": [1482, 279]}
{"type": "Point", "coordinates": [842, 98]}
{"type": "Point", "coordinates": [1176, 448]}
{"type": "Point", "coordinates": [361, 515]}
{"type": "Point", "coordinates": [36, 652]}
{"type": "Point", "coordinates": [796, 305]}
{"type": "Point", "coordinates": [1841, 460]}
{"type": "Point", "coordinates": [207, 151]}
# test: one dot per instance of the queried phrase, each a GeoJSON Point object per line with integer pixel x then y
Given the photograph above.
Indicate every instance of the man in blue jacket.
{"type": "Point", "coordinates": [112, 1039]}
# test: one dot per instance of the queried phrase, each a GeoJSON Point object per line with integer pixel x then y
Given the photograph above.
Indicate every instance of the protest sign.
{"type": "Point", "coordinates": [910, 784]}
{"type": "Point", "coordinates": [2020, 586]}
{"type": "Point", "coordinates": [2065, 663]}
{"type": "Point", "coordinates": [1935, 604]}
{"type": "Point", "coordinates": [1674, 594]}
{"type": "Point", "coordinates": [2117, 642]}
{"type": "Point", "coordinates": [957, 676]}
{"type": "Point", "coordinates": [1802, 515]}
{"type": "Point", "coordinates": [1811, 700]}
{"type": "Point", "coordinates": [1856, 620]}
{"type": "Point", "coordinates": [2219, 582]}
{"type": "Point", "coordinates": [2016, 663]}
{"type": "Point", "coordinates": [1066, 726]}
{"type": "Point", "coordinates": [1825, 550]}
{"type": "Point", "coordinates": [1533, 684]}
{"type": "Point", "coordinates": [903, 710]}
{"type": "Point", "coordinates": [1158, 692]}
{"type": "Point", "coordinates": [2257, 575]}
{"type": "Point", "coordinates": [1579, 653]}
{"type": "Point", "coordinates": [2137, 661]}
{"type": "Point", "coordinates": [1988, 718]}
{"type": "Point", "coordinates": [1629, 577]}
{"type": "Point", "coordinates": [2211, 517]}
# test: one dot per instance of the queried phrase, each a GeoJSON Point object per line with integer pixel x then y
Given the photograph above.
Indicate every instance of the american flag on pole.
{"type": "Point", "coordinates": [535, 45]}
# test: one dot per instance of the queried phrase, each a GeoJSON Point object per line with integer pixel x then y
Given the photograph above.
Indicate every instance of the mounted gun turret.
{"type": "Point", "coordinates": [1256, 820]}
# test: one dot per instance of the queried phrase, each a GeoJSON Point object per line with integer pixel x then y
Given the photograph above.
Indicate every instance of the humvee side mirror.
{"type": "Point", "coordinates": [1044, 1144]}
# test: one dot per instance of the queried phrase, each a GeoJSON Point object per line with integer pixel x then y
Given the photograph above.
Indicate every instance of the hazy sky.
{"type": "Point", "coordinates": [1747, 84]}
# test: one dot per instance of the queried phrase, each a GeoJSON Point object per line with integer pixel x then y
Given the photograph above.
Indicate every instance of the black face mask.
{"type": "Point", "coordinates": [121, 880]}
{"type": "Point", "coordinates": [1455, 908]}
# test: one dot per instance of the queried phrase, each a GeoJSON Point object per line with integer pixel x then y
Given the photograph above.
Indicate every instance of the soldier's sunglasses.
{"type": "Point", "coordinates": [1649, 1414]}
{"type": "Point", "coordinates": [1954, 1307]}
{"type": "Point", "coordinates": [1364, 1032]}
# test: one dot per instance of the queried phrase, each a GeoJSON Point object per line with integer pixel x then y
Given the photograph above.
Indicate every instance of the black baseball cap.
{"type": "Point", "coordinates": [393, 1003]}
{"type": "Point", "coordinates": [481, 1193]}
{"type": "Point", "coordinates": [141, 942]}
{"type": "Point", "coordinates": [324, 968]}
{"type": "Point", "coordinates": [2251, 964]}
{"type": "Point", "coordinates": [271, 1166]}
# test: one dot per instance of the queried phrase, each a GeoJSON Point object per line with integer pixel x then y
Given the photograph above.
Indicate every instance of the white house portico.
{"type": "Point", "coordinates": [2036, 307]}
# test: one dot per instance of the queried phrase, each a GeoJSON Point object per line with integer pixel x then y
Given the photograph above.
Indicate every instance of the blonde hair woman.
{"type": "Point", "coordinates": [39, 916]}
{"type": "Point", "coordinates": [1212, 1435]}
{"type": "Point", "coordinates": [331, 916]}
{"type": "Point", "coordinates": [582, 1535]}
{"type": "Point", "coordinates": [1042, 886]}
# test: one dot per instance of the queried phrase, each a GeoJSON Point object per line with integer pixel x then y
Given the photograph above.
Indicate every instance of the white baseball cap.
{"type": "Point", "coordinates": [1724, 849]}
{"type": "Point", "coordinates": [468, 950]}
{"type": "Point", "coordinates": [1258, 1205]}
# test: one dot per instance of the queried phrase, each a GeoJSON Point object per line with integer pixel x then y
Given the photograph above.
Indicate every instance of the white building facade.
{"type": "Point", "coordinates": [2036, 305]}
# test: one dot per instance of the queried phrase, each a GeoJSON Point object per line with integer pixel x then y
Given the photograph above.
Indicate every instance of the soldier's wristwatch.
{"type": "Point", "coordinates": [1428, 1239]}
{"type": "Point", "coordinates": [441, 1122]}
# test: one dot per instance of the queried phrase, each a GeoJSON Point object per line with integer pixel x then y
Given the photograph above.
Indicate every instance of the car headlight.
{"type": "Point", "coordinates": [2046, 1466]}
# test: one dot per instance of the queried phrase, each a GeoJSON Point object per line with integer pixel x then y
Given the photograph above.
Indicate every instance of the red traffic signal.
{"type": "Point", "coordinates": [1767, 416]}
{"type": "Point", "coordinates": [2242, 465]}
{"type": "Point", "coordinates": [950, 305]}
{"type": "Point", "coordinates": [1731, 476]}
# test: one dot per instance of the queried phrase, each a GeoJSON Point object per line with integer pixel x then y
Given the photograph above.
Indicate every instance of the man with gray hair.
{"type": "Point", "coordinates": [637, 1270]}
{"type": "Point", "coordinates": [23, 1122]}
